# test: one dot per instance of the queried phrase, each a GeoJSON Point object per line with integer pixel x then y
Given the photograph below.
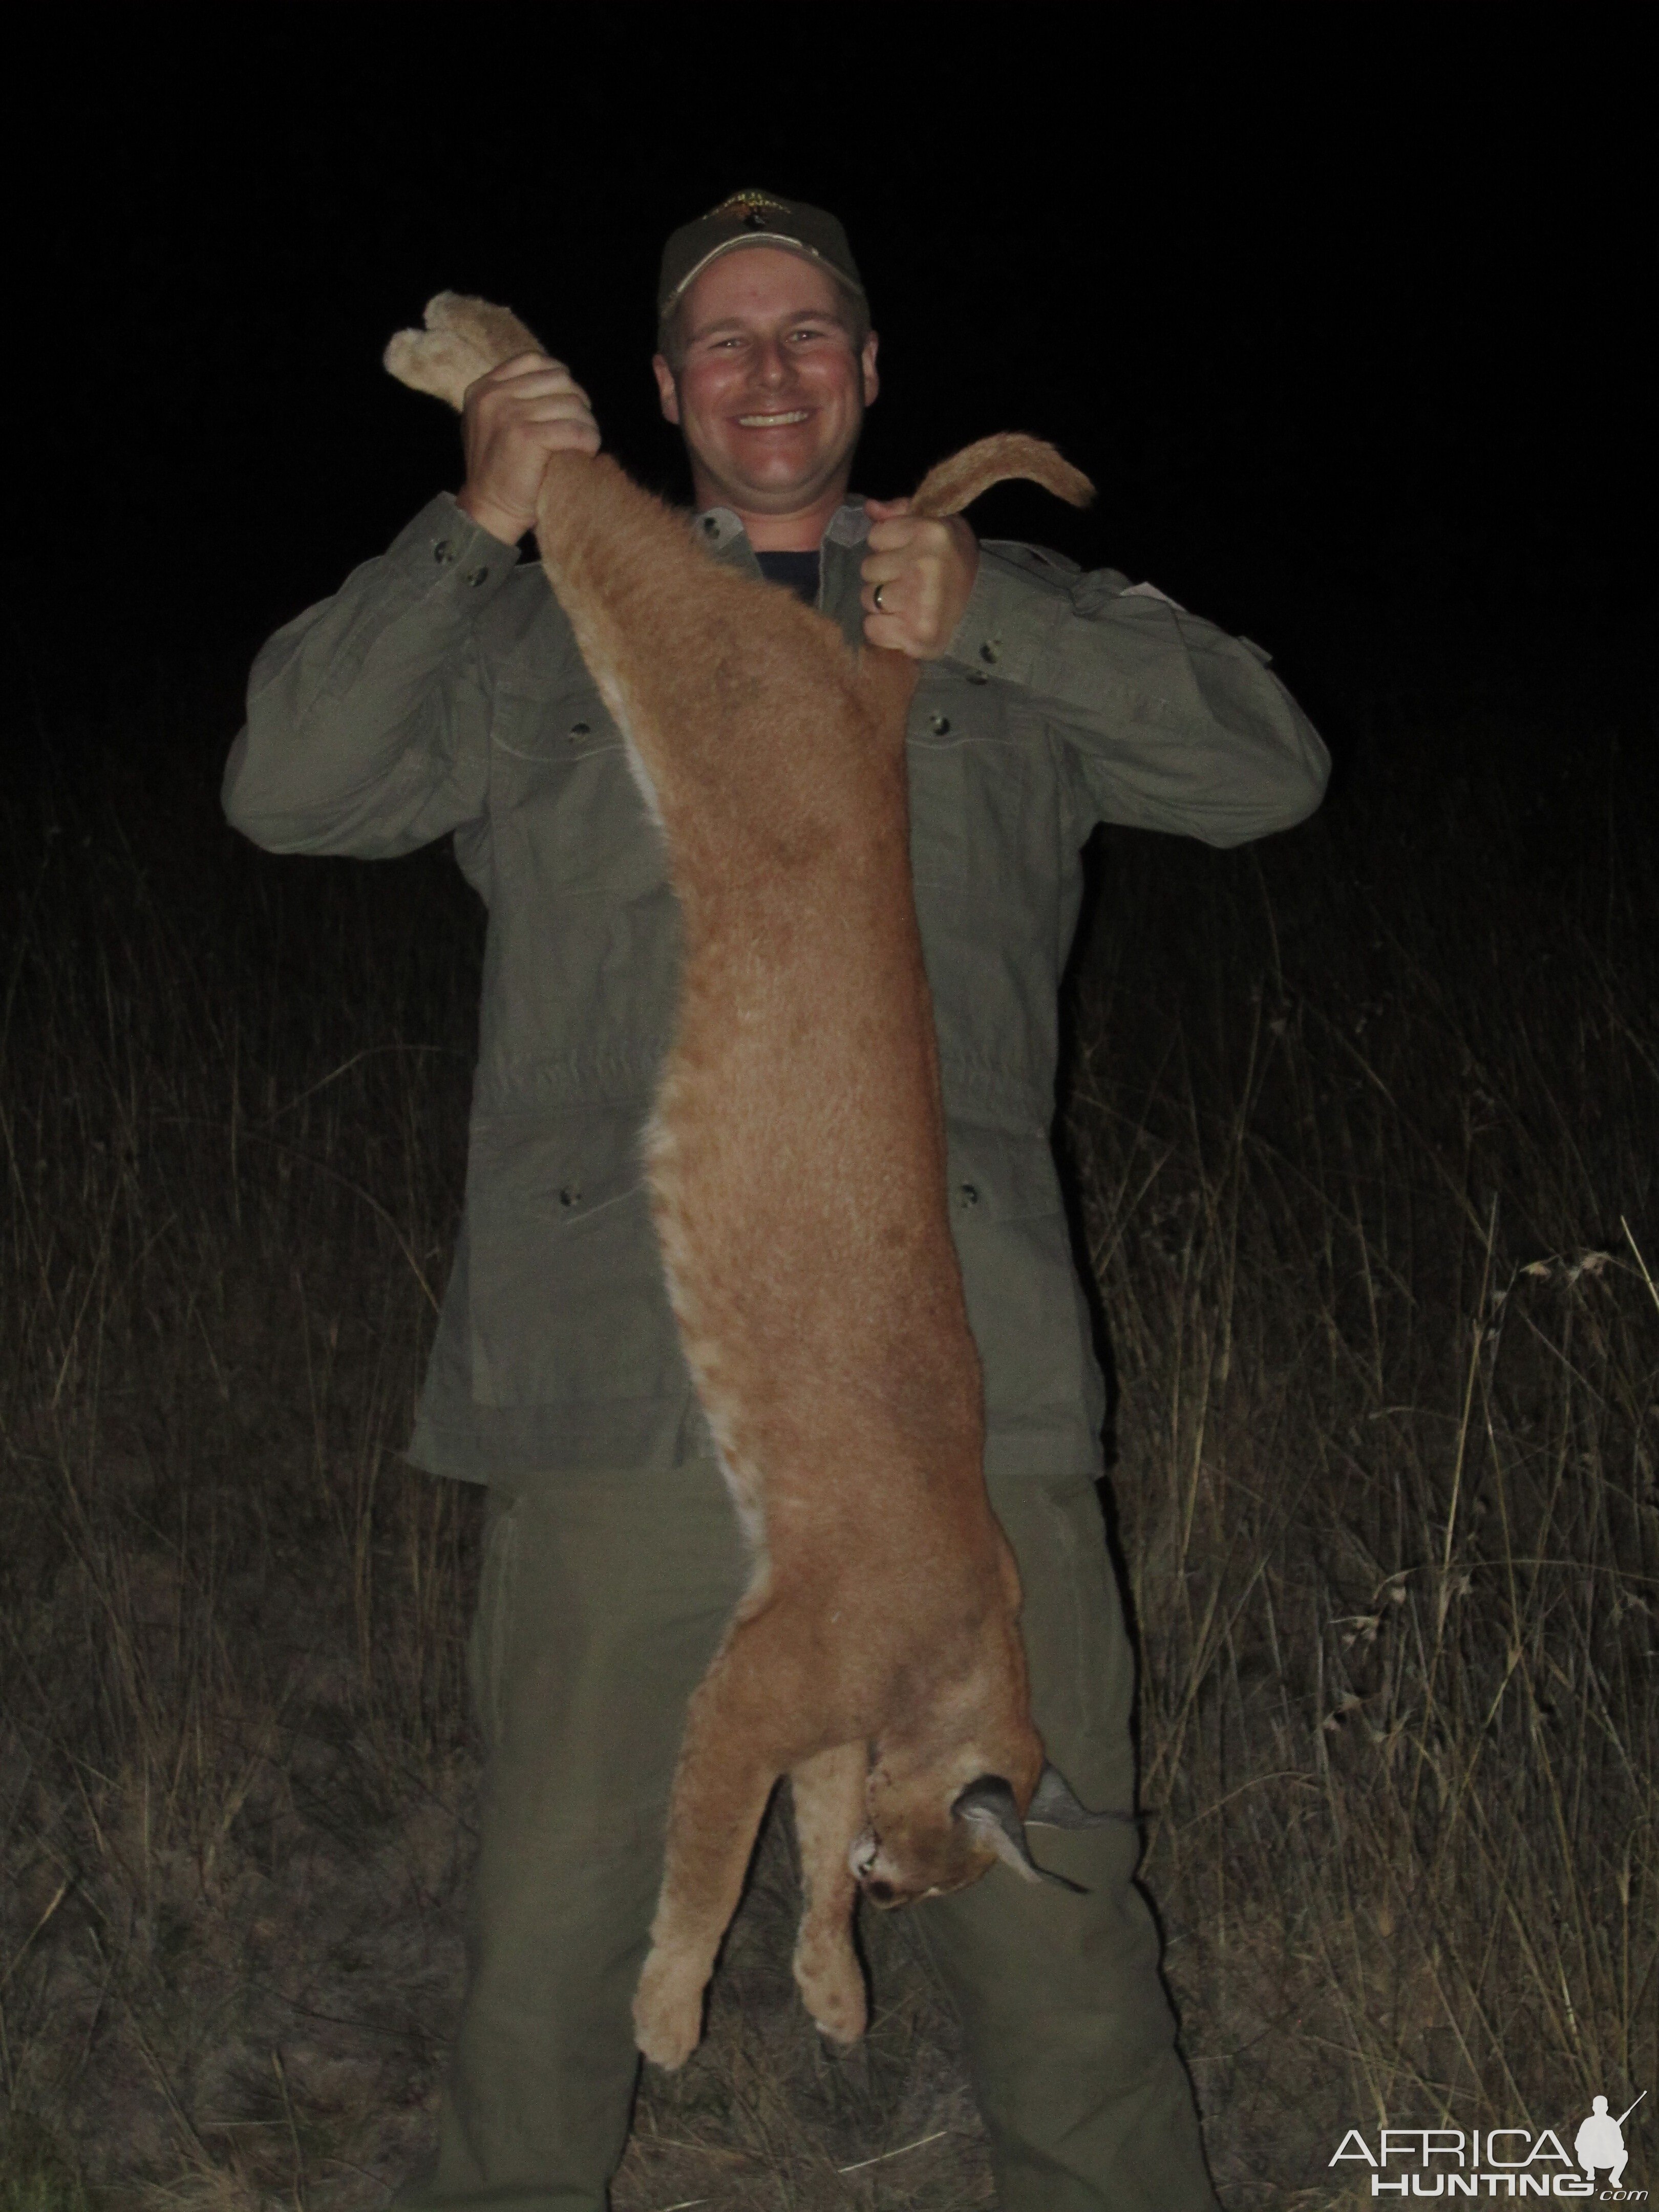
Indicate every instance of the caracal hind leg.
{"type": "Point", "coordinates": [724, 1779]}
{"type": "Point", "coordinates": [463, 339]}
{"type": "Point", "coordinates": [830, 1813]}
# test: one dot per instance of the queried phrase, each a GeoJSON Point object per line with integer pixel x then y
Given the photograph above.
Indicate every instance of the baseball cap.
{"type": "Point", "coordinates": [754, 218]}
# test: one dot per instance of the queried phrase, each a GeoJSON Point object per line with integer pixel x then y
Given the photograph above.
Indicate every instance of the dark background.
{"type": "Point", "coordinates": [1338, 307]}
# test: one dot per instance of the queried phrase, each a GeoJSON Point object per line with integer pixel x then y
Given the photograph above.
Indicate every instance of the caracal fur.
{"type": "Point", "coordinates": [796, 1159]}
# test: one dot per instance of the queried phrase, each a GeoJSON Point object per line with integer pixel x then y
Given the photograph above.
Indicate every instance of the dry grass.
{"type": "Point", "coordinates": [1358, 1122]}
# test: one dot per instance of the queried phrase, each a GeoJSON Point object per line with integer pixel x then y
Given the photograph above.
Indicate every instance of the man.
{"type": "Point", "coordinates": [441, 691]}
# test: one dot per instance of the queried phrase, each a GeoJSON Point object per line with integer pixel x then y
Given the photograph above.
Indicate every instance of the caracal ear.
{"type": "Point", "coordinates": [991, 1810]}
{"type": "Point", "coordinates": [1055, 1804]}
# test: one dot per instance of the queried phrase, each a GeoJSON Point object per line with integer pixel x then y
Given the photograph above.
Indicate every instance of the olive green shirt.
{"type": "Point", "coordinates": [440, 692]}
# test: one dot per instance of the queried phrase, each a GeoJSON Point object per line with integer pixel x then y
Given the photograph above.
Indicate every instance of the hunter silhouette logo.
{"type": "Point", "coordinates": [1601, 2142]}
{"type": "Point", "coordinates": [1452, 2162]}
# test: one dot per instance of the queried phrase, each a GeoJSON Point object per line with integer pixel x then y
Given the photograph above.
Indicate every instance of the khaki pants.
{"type": "Point", "coordinates": [603, 1599]}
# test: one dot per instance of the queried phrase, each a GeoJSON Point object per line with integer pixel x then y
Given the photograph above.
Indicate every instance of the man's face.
{"type": "Point", "coordinates": [771, 396]}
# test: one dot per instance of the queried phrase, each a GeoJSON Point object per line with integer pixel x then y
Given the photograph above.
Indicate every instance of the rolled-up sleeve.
{"type": "Point", "coordinates": [1174, 725]}
{"type": "Point", "coordinates": [367, 715]}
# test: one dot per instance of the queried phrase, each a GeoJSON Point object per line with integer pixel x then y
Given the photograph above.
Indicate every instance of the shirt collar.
{"type": "Point", "coordinates": [848, 525]}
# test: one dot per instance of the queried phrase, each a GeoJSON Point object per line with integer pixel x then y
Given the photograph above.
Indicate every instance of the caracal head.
{"type": "Point", "coordinates": [938, 1827]}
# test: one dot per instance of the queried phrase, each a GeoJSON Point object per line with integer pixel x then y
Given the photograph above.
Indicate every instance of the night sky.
{"type": "Point", "coordinates": [1338, 307]}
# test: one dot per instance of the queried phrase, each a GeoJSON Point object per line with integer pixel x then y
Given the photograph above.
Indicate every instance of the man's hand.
{"type": "Point", "coordinates": [513, 418]}
{"type": "Point", "coordinates": [925, 573]}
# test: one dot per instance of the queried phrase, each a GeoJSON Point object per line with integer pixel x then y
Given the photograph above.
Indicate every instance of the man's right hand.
{"type": "Point", "coordinates": [513, 418]}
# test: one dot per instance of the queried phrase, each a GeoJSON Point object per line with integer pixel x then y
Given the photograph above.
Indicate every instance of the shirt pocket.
{"type": "Point", "coordinates": [571, 821]}
{"type": "Point", "coordinates": [567, 1296]}
{"type": "Point", "coordinates": [967, 786]}
{"type": "Point", "coordinates": [1025, 1305]}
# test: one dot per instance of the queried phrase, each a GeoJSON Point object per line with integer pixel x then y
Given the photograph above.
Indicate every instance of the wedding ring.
{"type": "Point", "coordinates": [880, 588]}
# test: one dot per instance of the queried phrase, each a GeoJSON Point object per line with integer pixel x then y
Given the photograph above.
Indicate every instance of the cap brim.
{"type": "Point", "coordinates": [756, 238]}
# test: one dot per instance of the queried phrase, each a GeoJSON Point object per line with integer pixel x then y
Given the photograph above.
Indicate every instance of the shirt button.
{"type": "Point", "coordinates": [477, 576]}
{"type": "Point", "coordinates": [443, 552]}
{"type": "Point", "coordinates": [570, 1196]}
{"type": "Point", "coordinates": [711, 527]}
{"type": "Point", "coordinates": [939, 724]}
{"type": "Point", "coordinates": [579, 730]}
{"type": "Point", "coordinates": [978, 676]}
{"type": "Point", "coordinates": [969, 1193]}
{"type": "Point", "coordinates": [991, 651]}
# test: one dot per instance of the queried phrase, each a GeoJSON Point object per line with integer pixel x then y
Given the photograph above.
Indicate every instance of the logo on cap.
{"type": "Point", "coordinates": [750, 209]}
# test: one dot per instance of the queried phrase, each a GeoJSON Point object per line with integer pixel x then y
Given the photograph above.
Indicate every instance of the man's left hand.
{"type": "Point", "coordinates": [925, 572]}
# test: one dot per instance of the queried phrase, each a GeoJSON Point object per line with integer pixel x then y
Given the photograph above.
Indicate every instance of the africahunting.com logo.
{"type": "Point", "coordinates": [1498, 2162]}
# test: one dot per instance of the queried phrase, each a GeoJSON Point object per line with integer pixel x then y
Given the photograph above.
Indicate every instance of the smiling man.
{"type": "Point", "coordinates": [776, 363]}
{"type": "Point", "coordinates": [441, 692]}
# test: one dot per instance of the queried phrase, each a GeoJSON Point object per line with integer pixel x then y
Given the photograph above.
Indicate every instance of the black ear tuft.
{"type": "Point", "coordinates": [989, 1805]}
{"type": "Point", "coordinates": [1055, 1804]}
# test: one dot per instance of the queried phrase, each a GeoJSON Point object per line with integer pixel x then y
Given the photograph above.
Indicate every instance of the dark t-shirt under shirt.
{"type": "Point", "coordinates": [800, 571]}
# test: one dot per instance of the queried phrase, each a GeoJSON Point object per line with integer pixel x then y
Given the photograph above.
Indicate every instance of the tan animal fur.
{"type": "Point", "coordinates": [796, 1158]}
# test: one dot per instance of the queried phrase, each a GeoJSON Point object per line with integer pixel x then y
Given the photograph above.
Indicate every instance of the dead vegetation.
{"type": "Point", "coordinates": [1363, 1128]}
